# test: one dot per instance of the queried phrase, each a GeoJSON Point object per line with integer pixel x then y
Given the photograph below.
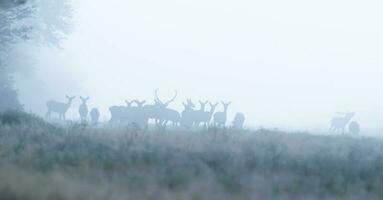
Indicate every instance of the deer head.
{"type": "Point", "coordinates": [129, 103]}
{"type": "Point", "coordinates": [140, 104]}
{"type": "Point", "coordinates": [203, 105]}
{"type": "Point", "coordinates": [225, 105]}
{"type": "Point", "coordinates": [84, 100]}
{"type": "Point", "coordinates": [188, 105]}
{"type": "Point", "coordinates": [213, 106]}
{"type": "Point", "coordinates": [70, 99]}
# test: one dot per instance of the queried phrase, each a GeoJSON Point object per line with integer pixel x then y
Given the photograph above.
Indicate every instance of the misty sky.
{"type": "Point", "coordinates": [287, 64]}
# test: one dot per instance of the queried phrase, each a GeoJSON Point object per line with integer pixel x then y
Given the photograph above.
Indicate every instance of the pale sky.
{"type": "Point", "coordinates": [286, 64]}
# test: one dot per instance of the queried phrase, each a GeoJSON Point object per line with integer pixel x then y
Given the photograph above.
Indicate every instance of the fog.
{"type": "Point", "coordinates": [286, 64]}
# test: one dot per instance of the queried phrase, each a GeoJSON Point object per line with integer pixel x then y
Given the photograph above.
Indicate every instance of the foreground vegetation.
{"type": "Point", "coordinates": [42, 161]}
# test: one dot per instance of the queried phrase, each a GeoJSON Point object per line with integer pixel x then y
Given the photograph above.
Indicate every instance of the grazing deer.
{"type": "Point", "coordinates": [354, 128]}
{"type": "Point", "coordinates": [206, 118]}
{"type": "Point", "coordinates": [238, 121]}
{"type": "Point", "coordinates": [83, 109]}
{"type": "Point", "coordinates": [59, 107]}
{"type": "Point", "coordinates": [220, 117]}
{"type": "Point", "coordinates": [187, 114]}
{"type": "Point", "coordinates": [94, 116]}
{"type": "Point", "coordinates": [340, 123]}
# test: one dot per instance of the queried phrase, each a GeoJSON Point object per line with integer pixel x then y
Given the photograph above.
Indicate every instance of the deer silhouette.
{"type": "Point", "coordinates": [139, 115]}
{"type": "Point", "coordinates": [121, 113]}
{"type": "Point", "coordinates": [220, 117]}
{"type": "Point", "coordinates": [238, 121]}
{"type": "Point", "coordinates": [199, 115]}
{"type": "Point", "coordinates": [83, 109]}
{"type": "Point", "coordinates": [340, 123]}
{"type": "Point", "coordinates": [206, 117]}
{"type": "Point", "coordinates": [165, 114]}
{"type": "Point", "coordinates": [354, 128]}
{"type": "Point", "coordinates": [59, 107]}
{"type": "Point", "coordinates": [94, 116]}
{"type": "Point", "coordinates": [187, 114]}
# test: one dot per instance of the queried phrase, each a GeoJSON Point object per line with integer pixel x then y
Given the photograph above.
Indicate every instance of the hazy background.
{"type": "Point", "coordinates": [287, 64]}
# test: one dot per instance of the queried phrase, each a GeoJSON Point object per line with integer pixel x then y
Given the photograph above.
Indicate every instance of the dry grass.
{"type": "Point", "coordinates": [42, 161]}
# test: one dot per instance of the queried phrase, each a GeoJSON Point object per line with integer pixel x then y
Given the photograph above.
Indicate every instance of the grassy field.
{"type": "Point", "coordinates": [43, 161]}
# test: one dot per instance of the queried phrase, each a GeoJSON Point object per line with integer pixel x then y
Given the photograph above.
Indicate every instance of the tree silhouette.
{"type": "Point", "coordinates": [43, 22]}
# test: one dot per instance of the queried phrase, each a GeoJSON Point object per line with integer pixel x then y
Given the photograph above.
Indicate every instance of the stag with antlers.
{"type": "Point", "coordinates": [164, 114]}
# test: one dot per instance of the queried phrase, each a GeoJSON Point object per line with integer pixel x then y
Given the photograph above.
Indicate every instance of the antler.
{"type": "Point", "coordinates": [156, 96]}
{"type": "Point", "coordinates": [174, 97]}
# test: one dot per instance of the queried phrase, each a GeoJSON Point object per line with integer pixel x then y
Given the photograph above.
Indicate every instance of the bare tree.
{"type": "Point", "coordinates": [45, 22]}
{"type": "Point", "coordinates": [59, 107]}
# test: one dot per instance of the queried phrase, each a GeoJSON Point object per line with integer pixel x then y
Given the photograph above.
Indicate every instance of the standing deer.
{"type": "Point", "coordinates": [94, 116]}
{"type": "Point", "coordinates": [206, 118]}
{"type": "Point", "coordinates": [165, 114]}
{"type": "Point", "coordinates": [139, 116]}
{"type": "Point", "coordinates": [83, 109]}
{"type": "Point", "coordinates": [340, 123]}
{"type": "Point", "coordinates": [199, 115]}
{"type": "Point", "coordinates": [121, 113]}
{"type": "Point", "coordinates": [59, 107]}
{"type": "Point", "coordinates": [220, 117]}
{"type": "Point", "coordinates": [187, 114]}
{"type": "Point", "coordinates": [159, 111]}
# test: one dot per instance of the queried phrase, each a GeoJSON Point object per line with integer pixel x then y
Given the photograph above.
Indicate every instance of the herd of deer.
{"type": "Point", "coordinates": [135, 112]}
{"type": "Point", "coordinates": [140, 114]}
